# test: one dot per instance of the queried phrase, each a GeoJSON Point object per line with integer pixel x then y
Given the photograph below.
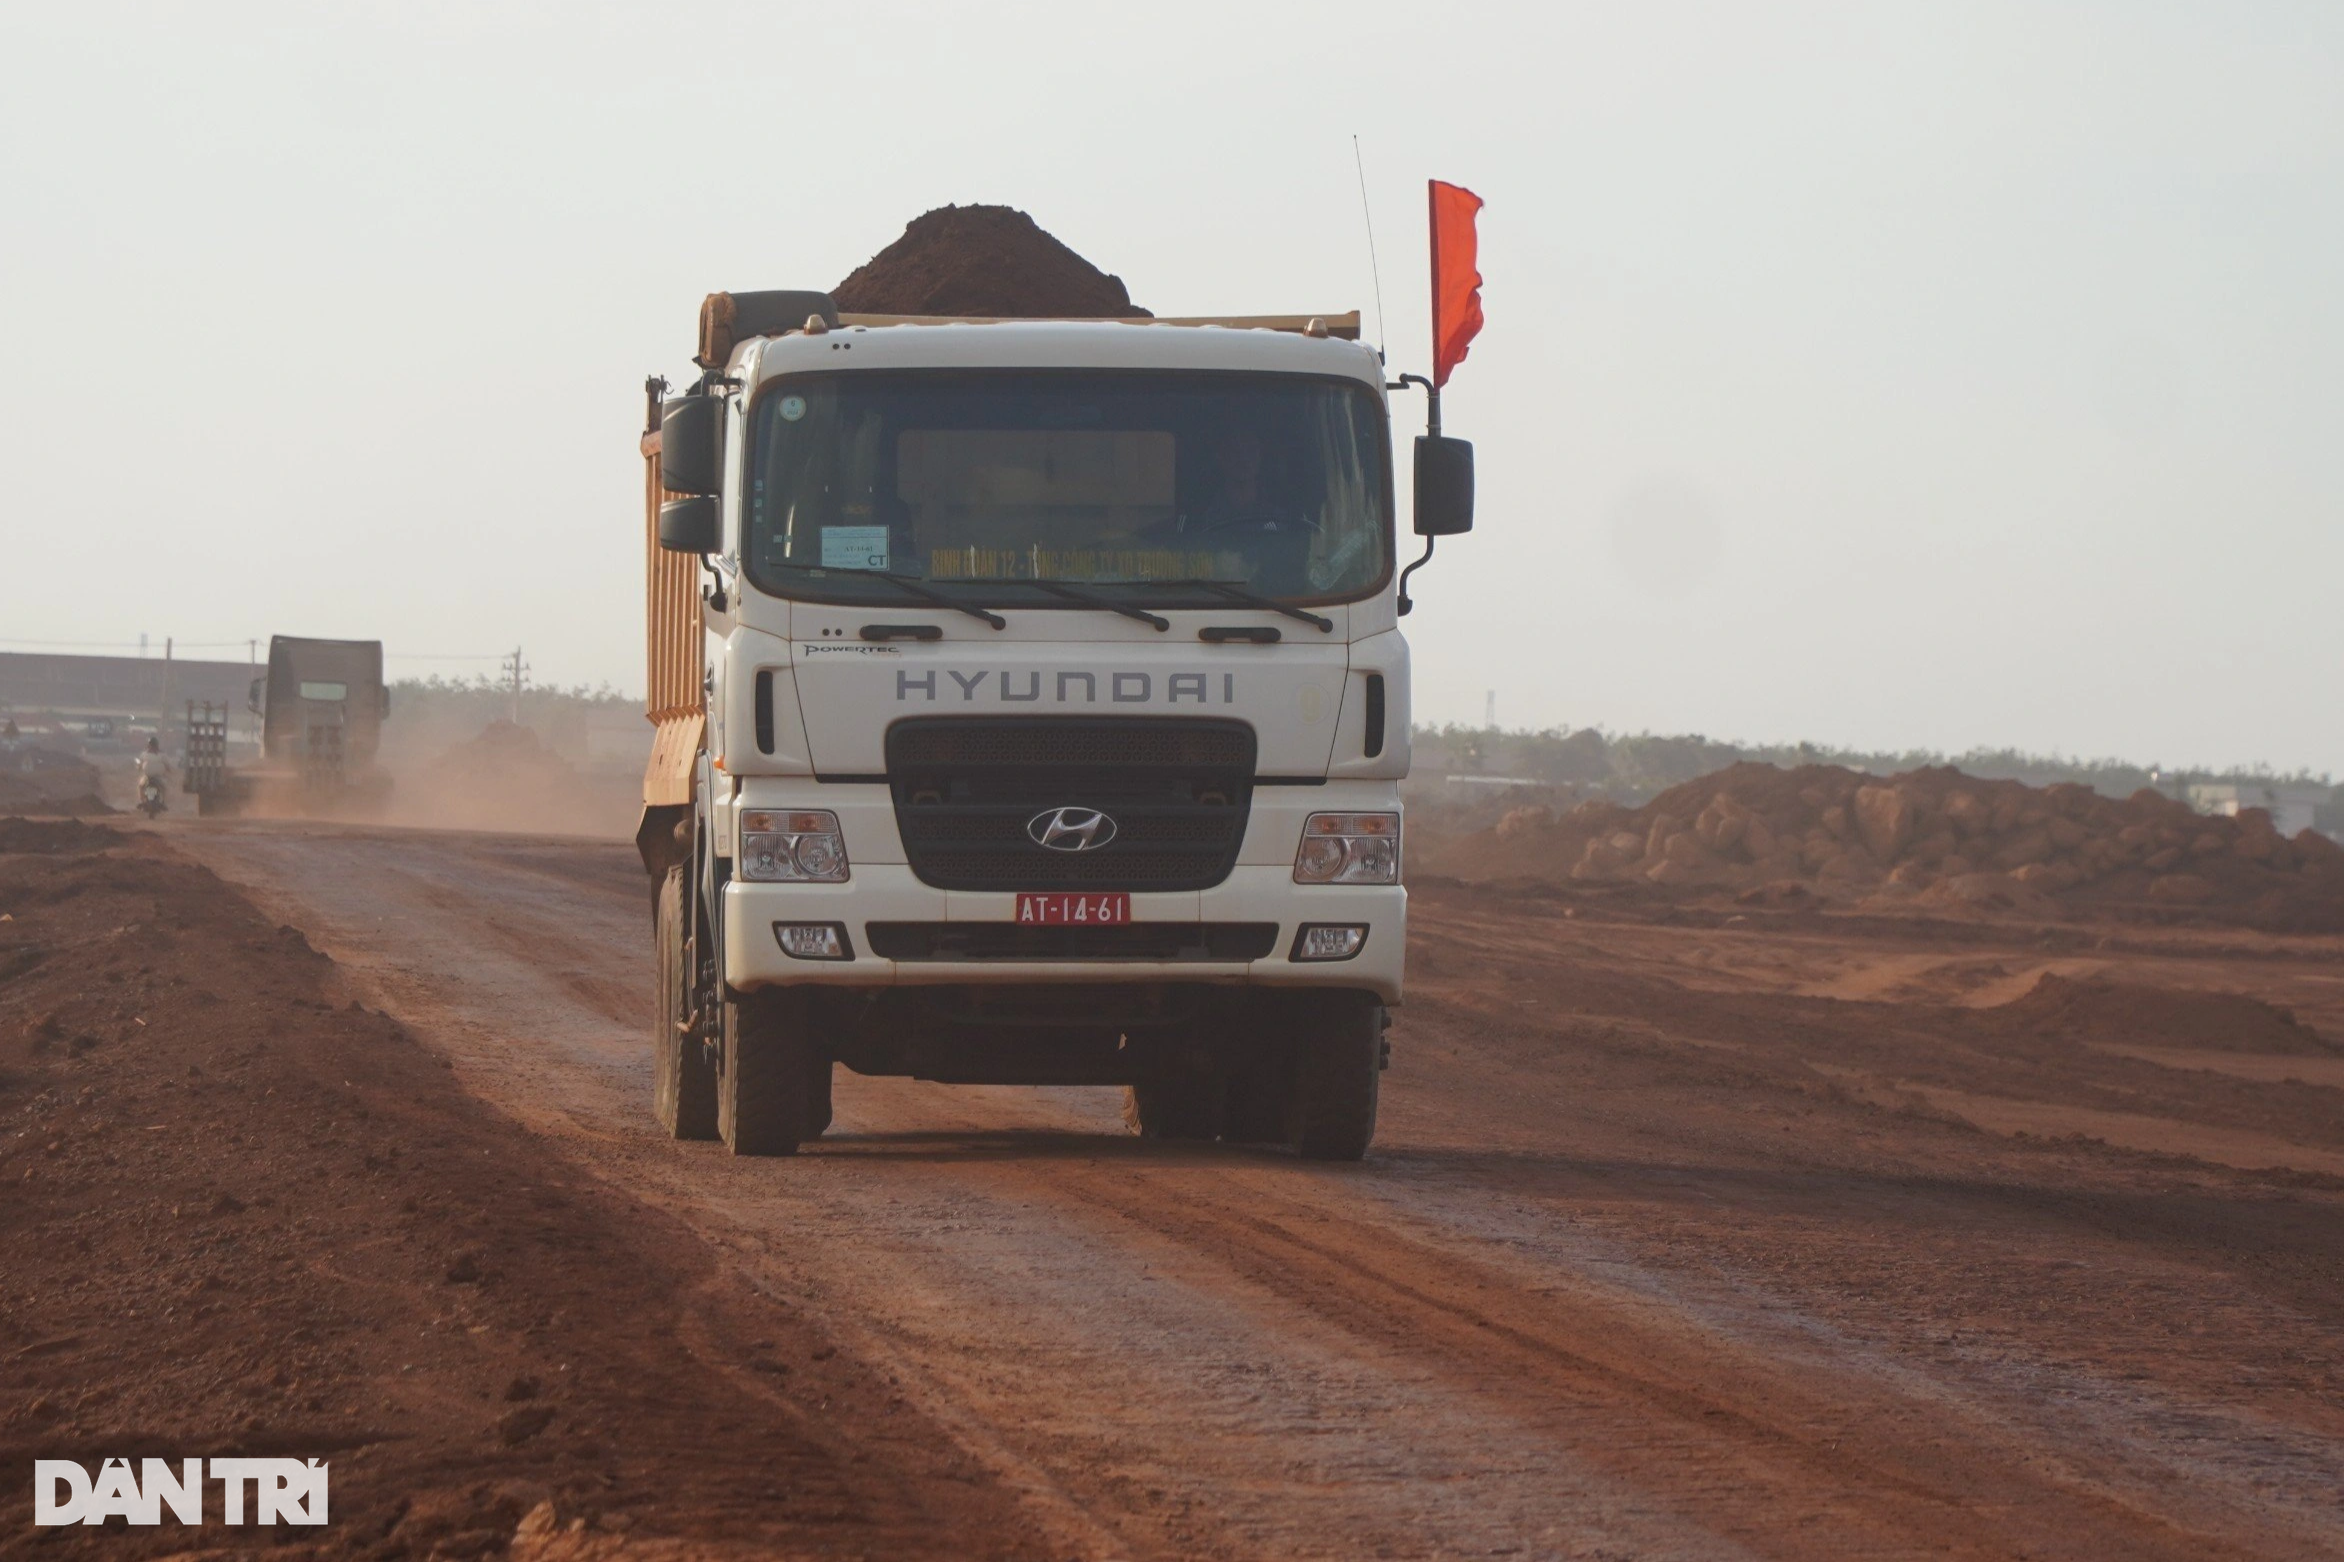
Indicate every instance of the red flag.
{"type": "Point", "coordinates": [1456, 279]}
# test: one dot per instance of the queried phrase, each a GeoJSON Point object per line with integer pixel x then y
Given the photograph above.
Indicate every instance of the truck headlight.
{"type": "Point", "coordinates": [1349, 849]}
{"type": "Point", "coordinates": [793, 846]}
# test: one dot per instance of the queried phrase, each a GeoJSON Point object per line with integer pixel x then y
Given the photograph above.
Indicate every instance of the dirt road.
{"type": "Point", "coordinates": [1681, 1240]}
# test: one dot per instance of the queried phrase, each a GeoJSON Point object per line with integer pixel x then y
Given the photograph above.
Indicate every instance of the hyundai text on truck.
{"type": "Point", "coordinates": [1031, 707]}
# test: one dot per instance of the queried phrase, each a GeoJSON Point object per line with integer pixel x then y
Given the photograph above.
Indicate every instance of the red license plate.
{"type": "Point", "coordinates": [1076, 910]}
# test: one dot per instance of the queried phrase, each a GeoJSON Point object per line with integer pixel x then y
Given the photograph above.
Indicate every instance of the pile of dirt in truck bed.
{"type": "Point", "coordinates": [1934, 837]}
{"type": "Point", "coordinates": [247, 1216]}
{"type": "Point", "coordinates": [44, 781]}
{"type": "Point", "coordinates": [983, 261]}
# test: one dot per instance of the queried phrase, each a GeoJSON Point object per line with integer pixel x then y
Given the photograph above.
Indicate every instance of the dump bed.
{"type": "Point", "coordinates": [671, 615]}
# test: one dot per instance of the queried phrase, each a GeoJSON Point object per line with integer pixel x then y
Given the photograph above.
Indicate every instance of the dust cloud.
{"type": "Point", "coordinates": [507, 779]}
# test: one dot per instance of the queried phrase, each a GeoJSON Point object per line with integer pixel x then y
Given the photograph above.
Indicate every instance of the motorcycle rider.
{"type": "Point", "coordinates": [153, 769]}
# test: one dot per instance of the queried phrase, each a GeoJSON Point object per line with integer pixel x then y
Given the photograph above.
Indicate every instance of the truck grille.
{"type": "Point", "coordinates": [1132, 941]}
{"type": "Point", "coordinates": [966, 788]}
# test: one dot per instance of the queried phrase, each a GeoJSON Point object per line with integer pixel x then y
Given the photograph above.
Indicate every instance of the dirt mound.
{"type": "Point", "coordinates": [1934, 836]}
{"type": "Point", "coordinates": [53, 838]}
{"type": "Point", "coordinates": [22, 800]}
{"type": "Point", "coordinates": [45, 781]}
{"type": "Point", "coordinates": [246, 1215]}
{"type": "Point", "coordinates": [2162, 1016]}
{"type": "Point", "coordinates": [982, 260]}
{"type": "Point", "coordinates": [503, 752]}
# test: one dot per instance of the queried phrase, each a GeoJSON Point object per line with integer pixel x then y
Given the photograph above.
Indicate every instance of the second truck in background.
{"type": "Point", "coordinates": [321, 704]}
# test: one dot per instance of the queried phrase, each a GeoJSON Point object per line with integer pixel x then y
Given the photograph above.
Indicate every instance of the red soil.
{"type": "Point", "coordinates": [985, 261]}
{"type": "Point", "coordinates": [1932, 836]}
{"type": "Point", "coordinates": [247, 1216]}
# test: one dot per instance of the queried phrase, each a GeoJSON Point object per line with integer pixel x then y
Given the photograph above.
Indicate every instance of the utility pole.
{"type": "Point", "coordinates": [253, 721]}
{"type": "Point", "coordinates": [1489, 710]}
{"type": "Point", "coordinates": [516, 674]}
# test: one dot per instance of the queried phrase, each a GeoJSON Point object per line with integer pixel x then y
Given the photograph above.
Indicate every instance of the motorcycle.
{"type": "Point", "coordinates": [150, 796]}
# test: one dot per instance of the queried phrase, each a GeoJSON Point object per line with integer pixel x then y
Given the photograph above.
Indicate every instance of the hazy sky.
{"type": "Point", "coordinates": [1884, 374]}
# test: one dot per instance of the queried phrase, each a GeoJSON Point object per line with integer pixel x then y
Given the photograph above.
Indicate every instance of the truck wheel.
{"type": "Point", "coordinates": [1338, 1059]}
{"type": "Point", "coordinates": [1182, 1105]}
{"type": "Point", "coordinates": [818, 1099]}
{"type": "Point", "coordinates": [683, 1080]}
{"type": "Point", "coordinates": [1258, 1095]}
{"type": "Point", "coordinates": [766, 1094]}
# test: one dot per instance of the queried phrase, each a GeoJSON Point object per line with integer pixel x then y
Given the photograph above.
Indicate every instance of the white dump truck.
{"type": "Point", "coordinates": [1032, 708]}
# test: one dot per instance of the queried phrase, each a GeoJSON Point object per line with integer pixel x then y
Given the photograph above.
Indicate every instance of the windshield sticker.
{"type": "Point", "coordinates": [854, 547]}
{"type": "Point", "coordinates": [1089, 565]}
{"type": "Point", "coordinates": [792, 408]}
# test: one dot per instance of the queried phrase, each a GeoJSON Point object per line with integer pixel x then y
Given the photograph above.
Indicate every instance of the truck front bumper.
{"type": "Point", "coordinates": [1236, 914]}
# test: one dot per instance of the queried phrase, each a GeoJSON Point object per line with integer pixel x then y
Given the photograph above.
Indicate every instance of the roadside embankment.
{"type": "Point", "coordinates": [244, 1215]}
{"type": "Point", "coordinates": [1933, 838]}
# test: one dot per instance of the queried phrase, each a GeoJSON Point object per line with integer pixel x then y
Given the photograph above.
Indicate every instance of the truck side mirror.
{"type": "Point", "coordinates": [252, 696]}
{"type": "Point", "coordinates": [691, 445]}
{"type": "Point", "coordinates": [1444, 485]}
{"type": "Point", "coordinates": [693, 525]}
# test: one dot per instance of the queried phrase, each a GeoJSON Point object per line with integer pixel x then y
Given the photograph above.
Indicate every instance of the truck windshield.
{"type": "Point", "coordinates": [1130, 483]}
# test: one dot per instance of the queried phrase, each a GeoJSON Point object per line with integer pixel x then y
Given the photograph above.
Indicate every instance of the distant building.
{"type": "Point", "coordinates": [2293, 809]}
{"type": "Point", "coordinates": [99, 695]}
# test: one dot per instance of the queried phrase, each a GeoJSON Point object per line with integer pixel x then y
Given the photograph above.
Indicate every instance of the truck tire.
{"type": "Point", "coordinates": [1183, 1105]}
{"type": "Point", "coordinates": [683, 1079]}
{"type": "Point", "coordinates": [818, 1100]}
{"type": "Point", "coordinates": [1259, 1093]}
{"type": "Point", "coordinates": [766, 1092]}
{"type": "Point", "coordinates": [1338, 1061]}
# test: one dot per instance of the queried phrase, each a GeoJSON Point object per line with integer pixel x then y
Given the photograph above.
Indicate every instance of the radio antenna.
{"type": "Point", "coordinates": [1373, 270]}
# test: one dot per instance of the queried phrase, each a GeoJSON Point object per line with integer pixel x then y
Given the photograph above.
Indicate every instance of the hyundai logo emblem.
{"type": "Point", "coordinates": [1071, 829]}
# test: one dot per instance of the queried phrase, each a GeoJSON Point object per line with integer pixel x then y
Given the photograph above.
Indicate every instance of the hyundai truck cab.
{"type": "Point", "coordinates": [1035, 709]}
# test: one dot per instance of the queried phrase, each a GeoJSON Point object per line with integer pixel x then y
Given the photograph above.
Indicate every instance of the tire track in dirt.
{"type": "Point", "coordinates": [1650, 1394]}
{"type": "Point", "coordinates": [1313, 1455]}
{"type": "Point", "coordinates": [1187, 1351]}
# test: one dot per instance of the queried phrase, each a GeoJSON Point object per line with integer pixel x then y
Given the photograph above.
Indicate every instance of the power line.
{"type": "Point", "coordinates": [123, 645]}
{"type": "Point", "coordinates": [210, 645]}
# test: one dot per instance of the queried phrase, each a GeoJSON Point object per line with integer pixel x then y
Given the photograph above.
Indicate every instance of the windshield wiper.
{"type": "Point", "coordinates": [911, 585]}
{"type": "Point", "coordinates": [1074, 593]}
{"type": "Point", "coordinates": [1237, 593]}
